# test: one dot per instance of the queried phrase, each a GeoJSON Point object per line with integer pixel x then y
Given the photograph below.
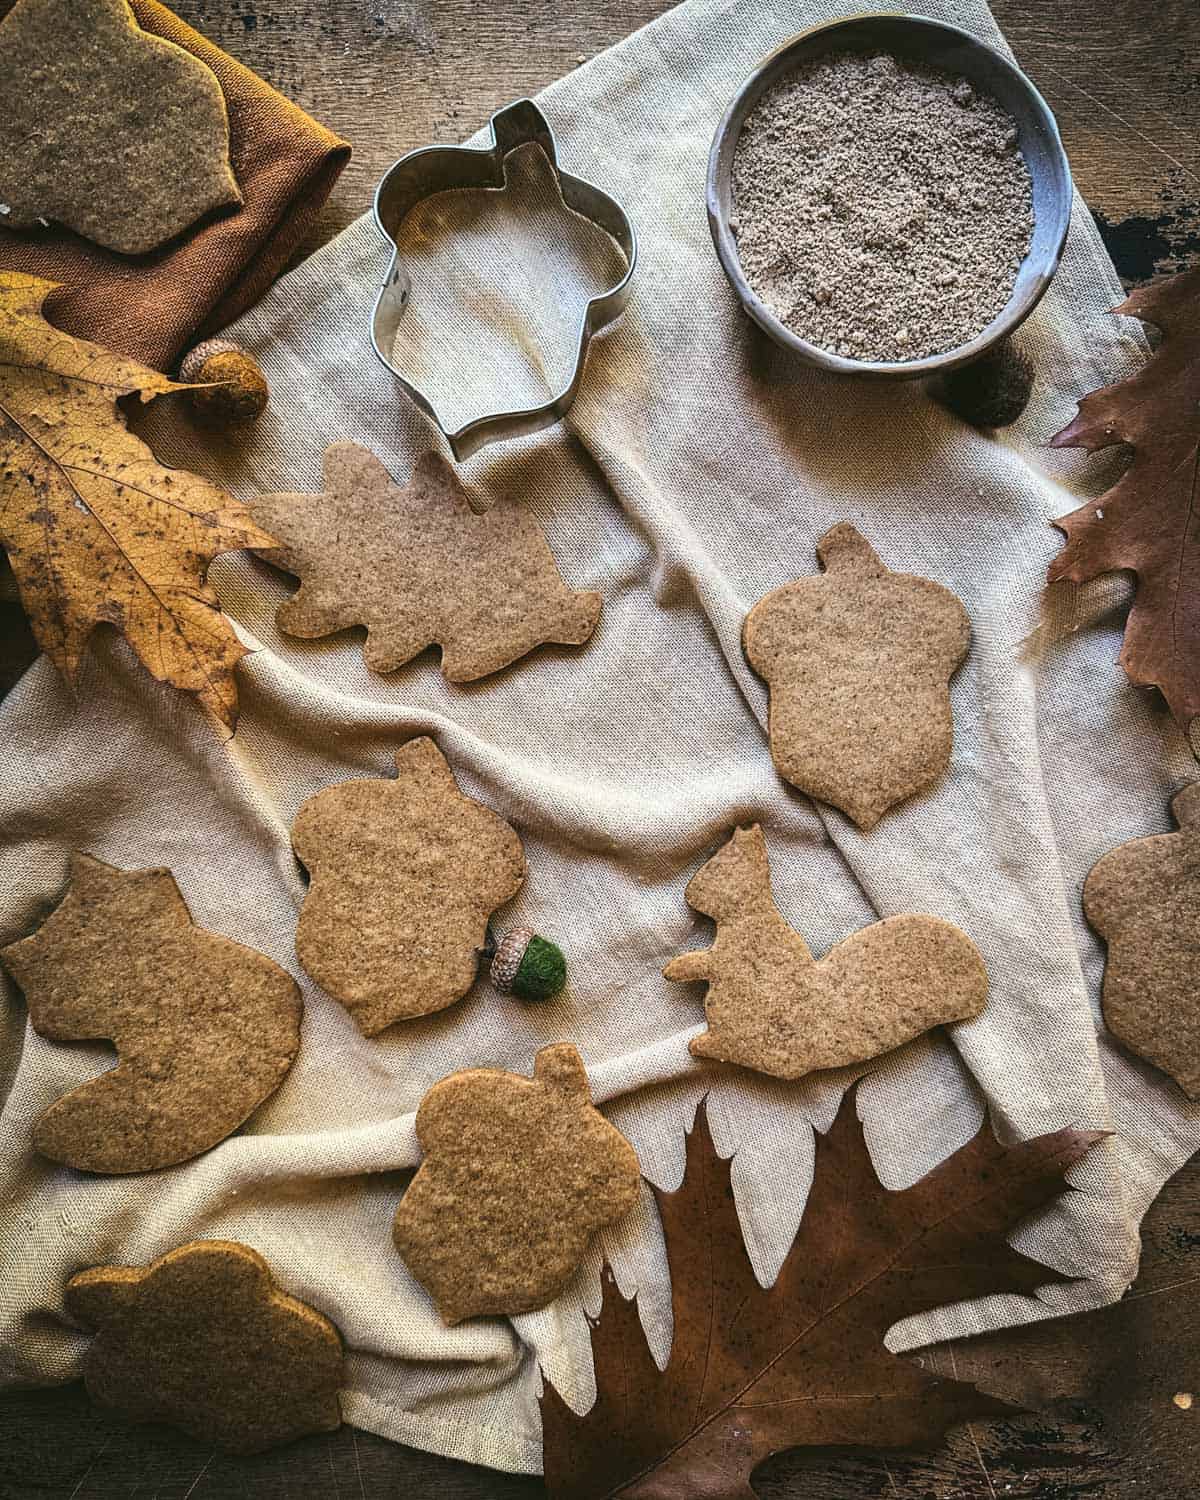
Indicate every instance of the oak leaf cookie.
{"type": "Point", "coordinates": [418, 567]}
{"type": "Point", "coordinates": [205, 1029]}
{"type": "Point", "coordinates": [404, 876]}
{"type": "Point", "coordinates": [858, 661]}
{"type": "Point", "coordinates": [518, 1173]}
{"type": "Point", "coordinates": [205, 1340]}
{"type": "Point", "coordinates": [114, 133]}
{"type": "Point", "coordinates": [1143, 898]}
{"type": "Point", "coordinates": [771, 1006]}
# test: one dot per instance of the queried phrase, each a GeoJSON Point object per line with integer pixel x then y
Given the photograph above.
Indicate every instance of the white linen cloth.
{"type": "Point", "coordinates": [695, 473]}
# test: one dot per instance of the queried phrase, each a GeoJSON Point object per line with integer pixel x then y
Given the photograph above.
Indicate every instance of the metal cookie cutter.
{"type": "Point", "coordinates": [436, 169]}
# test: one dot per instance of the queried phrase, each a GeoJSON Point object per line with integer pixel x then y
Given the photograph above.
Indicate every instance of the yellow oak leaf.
{"type": "Point", "coordinates": [97, 531]}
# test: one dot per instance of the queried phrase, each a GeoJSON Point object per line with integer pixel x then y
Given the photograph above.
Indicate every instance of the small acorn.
{"type": "Point", "coordinates": [241, 392]}
{"type": "Point", "coordinates": [993, 391]}
{"type": "Point", "coordinates": [526, 965]}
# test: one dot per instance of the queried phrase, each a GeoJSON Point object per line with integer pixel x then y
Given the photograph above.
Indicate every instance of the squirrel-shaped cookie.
{"type": "Point", "coordinates": [1143, 898]}
{"type": "Point", "coordinates": [404, 876]}
{"type": "Point", "coordinates": [205, 1340]}
{"type": "Point", "coordinates": [417, 566]}
{"type": "Point", "coordinates": [518, 1173]}
{"type": "Point", "coordinates": [205, 1029]}
{"type": "Point", "coordinates": [858, 661]}
{"type": "Point", "coordinates": [771, 1006]}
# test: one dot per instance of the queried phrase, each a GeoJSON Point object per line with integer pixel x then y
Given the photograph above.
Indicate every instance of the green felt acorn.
{"type": "Point", "coordinates": [528, 966]}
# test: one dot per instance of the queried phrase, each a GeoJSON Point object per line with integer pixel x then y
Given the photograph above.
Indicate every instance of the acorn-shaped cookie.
{"type": "Point", "coordinates": [518, 1174]}
{"type": "Point", "coordinates": [527, 965]}
{"type": "Point", "coordinates": [859, 663]}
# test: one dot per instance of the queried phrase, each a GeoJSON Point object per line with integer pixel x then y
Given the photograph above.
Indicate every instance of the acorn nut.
{"type": "Point", "coordinates": [230, 387]}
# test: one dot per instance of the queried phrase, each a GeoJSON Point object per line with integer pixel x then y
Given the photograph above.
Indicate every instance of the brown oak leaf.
{"type": "Point", "coordinates": [804, 1364]}
{"type": "Point", "coordinates": [1148, 521]}
{"type": "Point", "coordinates": [95, 528]}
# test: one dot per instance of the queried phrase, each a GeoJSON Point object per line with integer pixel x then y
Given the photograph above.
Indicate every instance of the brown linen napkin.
{"type": "Point", "coordinates": [153, 307]}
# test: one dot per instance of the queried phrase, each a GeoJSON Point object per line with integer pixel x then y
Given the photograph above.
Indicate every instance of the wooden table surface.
{"type": "Point", "coordinates": [1123, 78]}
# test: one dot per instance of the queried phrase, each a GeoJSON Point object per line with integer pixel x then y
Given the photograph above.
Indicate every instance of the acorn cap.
{"type": "Point", "coordinates": [228, 386]}
{"type": "Point", "coordinates": [189, 370]}
{"type": "Point", "coordinates": [509, 953]}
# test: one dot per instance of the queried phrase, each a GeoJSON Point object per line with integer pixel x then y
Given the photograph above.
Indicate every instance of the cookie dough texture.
{"type": "Point", "coordinates": [772, 1007]}
{"type": "Point", "coordinates": [205, 1029]}
{"type": "Point", "coordinates": [518, 1173]}
{"type": "Point", "coordinates": [418, 567]}
{"type": "Point", "coordinates": [119, 135]}
{"type": "Point", "coordinates": [858, 662]}
{"type": "Point", "coordinates": [404, 876]}
{"type": "Point", "coordinates": [1143, 898]}
{"type": "Point", "coordinates": [205, 1340]}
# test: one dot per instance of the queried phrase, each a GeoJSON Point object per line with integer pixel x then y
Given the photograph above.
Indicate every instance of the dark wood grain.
{"type": "Point", "coordinates": [1122, 77]}
{"type": "Point", "coordinates": [1124, 80]}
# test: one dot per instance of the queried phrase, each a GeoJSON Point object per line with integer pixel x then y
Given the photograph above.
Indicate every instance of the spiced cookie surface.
{"type": "Point", "coordinates": [418, 567]}
{"type": "Point", "coordinates": [1143, 898]}
{"type": "Point", "coordinates": [858, 661]}
{"type": "Point", "coordinates": [114, 133]}
{"type": "Point", "coordinates": [205, 1340]}
{"type": "Point", "coordinates": [205, 1029]}
{"type": "Point", "coordinates": [772, 1007]}
{"type": "Point", "coordinates": [404, 876]}
{"type": "Point", "coordinates": [517, 1174]}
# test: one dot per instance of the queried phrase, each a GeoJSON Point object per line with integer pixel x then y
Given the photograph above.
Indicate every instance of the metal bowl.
{"type": "Point", "coordinates": [954, 51]}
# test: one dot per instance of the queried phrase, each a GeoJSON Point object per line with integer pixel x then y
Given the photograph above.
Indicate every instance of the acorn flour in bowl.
{"type": "Point", "coordinates": [882, 208]}
{"type": "Point", "coordinates": [888, 196]}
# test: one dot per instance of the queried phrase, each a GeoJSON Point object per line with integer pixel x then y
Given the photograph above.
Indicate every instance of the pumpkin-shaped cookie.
{"type": "Point", "coordinates": [518, 1173]}
{"type": "Point", "coordinates": [858, 662]}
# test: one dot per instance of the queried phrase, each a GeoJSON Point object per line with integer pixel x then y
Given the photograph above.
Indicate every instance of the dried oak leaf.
{"type": "Point", "coordinates": [95, 528]}
{"type": "Point", "coordinates": [1148, 521]}
{"type": "Point", "coordinates": [804, 1364]}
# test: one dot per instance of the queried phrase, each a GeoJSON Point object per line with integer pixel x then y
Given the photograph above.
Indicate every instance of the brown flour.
{"type": "Point", "coordinates": [882, 209]}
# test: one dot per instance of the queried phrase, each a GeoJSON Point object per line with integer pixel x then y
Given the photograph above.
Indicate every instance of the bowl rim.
{"type": "Point", "coordinates": [1006, 321]}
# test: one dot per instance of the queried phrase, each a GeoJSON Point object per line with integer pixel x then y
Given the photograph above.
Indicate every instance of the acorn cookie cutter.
{"type": "Point", "coordinates": [438, 169]}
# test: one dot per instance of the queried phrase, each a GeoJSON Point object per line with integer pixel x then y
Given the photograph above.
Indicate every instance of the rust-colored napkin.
{"type": "Point", "coordinates": [154, 306]}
